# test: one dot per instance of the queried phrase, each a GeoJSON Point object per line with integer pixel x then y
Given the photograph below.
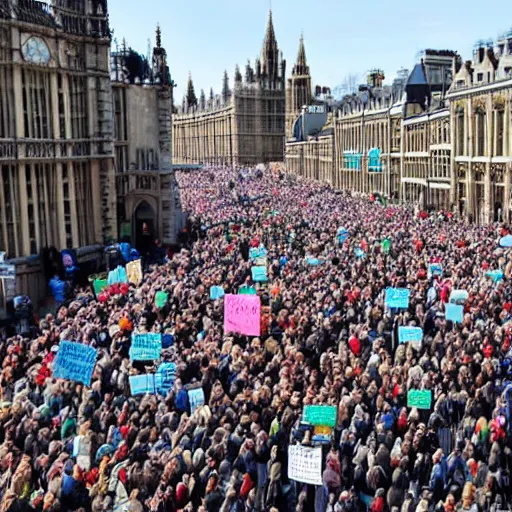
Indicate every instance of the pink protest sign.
{"type": "Point", "coordinates": [242, 314]}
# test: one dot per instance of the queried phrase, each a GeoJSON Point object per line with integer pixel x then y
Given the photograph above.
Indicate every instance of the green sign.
{"type": "Point", "coordinates": [420, 398]}
{"type": "Point", "coordinates": [161, 299]}
{"type": "Point", "coordinates": [247, 290]}
{"type": "Point", "coordinates": [322, 415]}
{"type": "Point", "coordinates": [99, 285]}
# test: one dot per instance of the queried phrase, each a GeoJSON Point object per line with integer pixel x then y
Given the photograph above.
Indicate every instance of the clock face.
{"type": "Point", "coordinates": [36, 50]}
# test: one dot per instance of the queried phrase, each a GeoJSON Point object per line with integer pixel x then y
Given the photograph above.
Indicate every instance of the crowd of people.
{"type": "Point", "coordinates": [329, 339]}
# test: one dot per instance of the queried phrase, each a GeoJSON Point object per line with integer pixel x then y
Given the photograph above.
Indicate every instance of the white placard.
{"type": "Point", "coordinates": [305, 464]}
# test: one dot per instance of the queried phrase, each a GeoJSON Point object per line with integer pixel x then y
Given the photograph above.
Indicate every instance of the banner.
{"type": "Point", "coordinates": [305, 464]}
{"type": "Point", "coordinates": [142, 384]}
{"type": "Point", "coordinates": [74, 362]}
{"type": "Point", "coordinates": [216, 292]}
{"type": "Point", "coordinates": [260, 262]}
{"type": "Point", "coordinates": [419, 398]}
{"type": "Point", "coordinates": [195, 399]}
{"type": "Point", "coordinates": [247, 290]}
{"type": "Point", "coordinates": [454, 312]}
{"type": "Point", "coordinates": [397, 298]}
{"type": "Point", "coordinates": [259, 274]}
{"type": "Point", "coordinates": [496, 275]}
{"type": "Point", "coordinates": [323, 415]}
{"type": "Point", "coordinates": [134, 272]}
{"type": "Point", "coordinates": [145, 347]}
{"type": "Point", "coordinates": [166, 375]}
{"type": "Point", "coordinates": [410, 335]}
{"type": "Point", "coordinates": [242, 314]}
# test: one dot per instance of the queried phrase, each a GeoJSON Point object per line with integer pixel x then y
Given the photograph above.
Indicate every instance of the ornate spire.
{"type": "Point", "coordinates": [191, 95]}
{"type": "Point", "coordinates": [211, 93]}
{"type": "Point", "coordinates": [225, 87]}
{"type": "Point", "coordinates": [158, 36]}
{"type": "Point", "coordinates": [301, 67]}
{"type": "Point", "coordinates": [270, 56]}
{"type": "Point", "coordinates": [202, 100]}
{"type": "Point", "coordinates": [238, 75]}
{"type": "Point", "coordinates": [270, 35]}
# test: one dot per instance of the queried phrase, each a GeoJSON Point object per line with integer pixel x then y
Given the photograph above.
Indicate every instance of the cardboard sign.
{"type": "Point", "coordinates": [259, 274]}
{"type": "Point", "coordinates": [242, 314]}
{"type": "Point", "coordinates": [145, 347]}
{"type": "Point", "coordinates": [247, 290]}
{"type": "Point", "coordinates": [397, 298]}
{"type": "Point", "coordinates": [134, 272]}
{"type": "Point", "coordinates": [419, 398]}
{"type": "Point", "coordinates": [195, 399]}
{"type": "Point", "coordinates": [410, 335]}
{"type": "Point", "coordinates": [323, 415]}
{"type": "Point", "coordinates": [166, 375]}
{"type": "Point", "coordinates": [305, 464]}
{"type": "Point", "coordinates": [216, 292]}
{"type": "Point", "coordinates": [74, 362]}
{"type": "Point", "coordinates": [454, 312]}
{"type": "Point", "coordinates": [142, 384]}
{"type": "Point", "coordinates": [459, 296]}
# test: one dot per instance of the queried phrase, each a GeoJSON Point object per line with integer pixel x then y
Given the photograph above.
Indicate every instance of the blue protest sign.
{"type": "Point", "coordinates": [496, 275]}
{"type": "Point", "coordinates": [314, 262]}
{"type": "Point", "coordinates": [74, 362]}
{"type": "Point", "coordinates": [459, 296]}
{"type": "Point", "coordinates": [166, 375]}
{"type": "Point", "coordinates": [257, 252]}
{"type": "Point", "coordinates": [454, 312]}
{"type": "Point", "coordinates": [435, 269]}
{"type": "Point", "coordinates": [216, 292]}
{"type": "Point", "coordinates": [195, 398]}
{"type": "Point", "coordinates": [142, 384]}
{"type": "Point", "coordinates": [359, 253]}
{"type": "Point", "coordinates": [397, 298]}
{"type": "Point", "coordinates": [410, 334]}
{"type": "Point", "coordinates": [506, 241]}
{"type": "Point", "coordinates": [259, 274]}
{"type": "Point", "coordinates": [145, 347]}
{"type": "Point", "coordinates": [342, 235]}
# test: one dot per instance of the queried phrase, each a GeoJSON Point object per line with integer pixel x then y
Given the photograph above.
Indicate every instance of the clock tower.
{"type": "Point", "coordinates": [56, 130]}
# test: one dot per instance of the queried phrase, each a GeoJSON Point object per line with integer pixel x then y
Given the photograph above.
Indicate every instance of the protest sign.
{"type": "Point", "coordinates": [359, 253]}
{"type": "Point", "coordinates": [459, 296]}
{"type": "Point", "coordinates": [419, 398]}
{"type": "Point", "coordinates": [496, 275]}
{"type": "Point", "coordinates": [454, 312]}
{"type": "Point", "coordinates": [242, 314]}
{"type": "Point", "coordinates": [386, 245]}
{"type": "Point", "coordinates": [74, 362]}
{"type": "Point", "coordinates": [161, 299]}
{"type": "Point", "coordinates": [195, 399]}
{"type": "Point", "coordinates": [259, 274]}
{"type": "Point", "coordinates": [397, 298]}
{"type": "Point", "coordinates": [410, 335]}
{"type": "Point", "coordinates": [257, 252]}
{"type": "Point", "coordinates": [216, 292]}
{"type": "Point", "coordinates": [134, 272]}
{"type": "Point", "coordinates": [142, 384]}
{"type": "Point", "coordinates": [435, 269]}
{"type": "Point", "coordinates": [322, 434]}
{"type": "Point", "coordinates": [166, 375]}
{"type": "Point", "coordinates": [260, 262]}
{"type": "Point", "coordinates": [314, 262]}
{"type": "Point", "coordinates": [342, 235]}
{"type": "Point", "coordinates": [305, 464]}
{"type": "Point", "coordinates": [247, 290]}
{"type": "Point", "coordinates": [324, 415]}
{"type": "Point", "coordinates": [145, 347]}
{"type": "Point", "coordinates": [100, 285]}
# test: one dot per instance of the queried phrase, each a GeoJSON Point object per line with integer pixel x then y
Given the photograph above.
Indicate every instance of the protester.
{"type": "Point", "coordinates": [328, 338]}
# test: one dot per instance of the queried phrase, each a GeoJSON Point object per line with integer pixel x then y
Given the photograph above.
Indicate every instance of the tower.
{"type": "Point", "coordinates": [269, 60]}
{"type": "Point", "coordinates": [191, 99]}
{"type": "Point", "coordinates": [160, 68]}
{"type": "Point", "coordinates": [298, 92]}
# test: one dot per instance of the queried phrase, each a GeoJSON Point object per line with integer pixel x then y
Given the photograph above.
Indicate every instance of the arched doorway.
{"type": "Point", "coordinates": [144, 226]}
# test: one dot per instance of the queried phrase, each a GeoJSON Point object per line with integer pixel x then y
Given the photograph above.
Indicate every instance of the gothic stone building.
{"type": "Point", "coordinates": [146, 190]}
{"type": "Point", "coordinates": [244, 125]}
{"type": "Point", "coordinates": [57, 183]}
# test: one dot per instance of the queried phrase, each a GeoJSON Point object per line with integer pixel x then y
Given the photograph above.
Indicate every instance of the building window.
{"type": "Point", "coordinates": [480, 133]}
{"type": "Point", "coordinates": [83, 203]}
{"type": "Point", "coordinates": [480, 77]}
{"type": "Point", "coordinates": [459, 132]}
{"type": "Point", "coordinates": [500, 132]}
{"type": "Point", "coordinates": [78, 107]}
{"type": "Point", "coordinates": [37, 107]}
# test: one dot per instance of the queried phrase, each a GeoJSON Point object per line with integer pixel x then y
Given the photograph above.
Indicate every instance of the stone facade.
{"type": "Point", "coordinates": [56, 140]}
{"type": "Point", "coordinates": [244, 125]}
{"type": "Point", "coordinates": [440, 137]}
{"type": "Point", "coordinates": [146, 189]}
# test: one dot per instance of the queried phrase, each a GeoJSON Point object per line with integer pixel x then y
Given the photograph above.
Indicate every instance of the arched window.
{"type": "Point", "coordinates": [499, 127]}
{"type": "Point", "coordinates": [459, 132]}
{"type": "Point", "coordinates": [480, 131]}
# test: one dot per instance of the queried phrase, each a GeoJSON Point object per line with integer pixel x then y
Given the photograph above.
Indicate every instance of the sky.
{"type": "Point", "coordinates": [206, 37]}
